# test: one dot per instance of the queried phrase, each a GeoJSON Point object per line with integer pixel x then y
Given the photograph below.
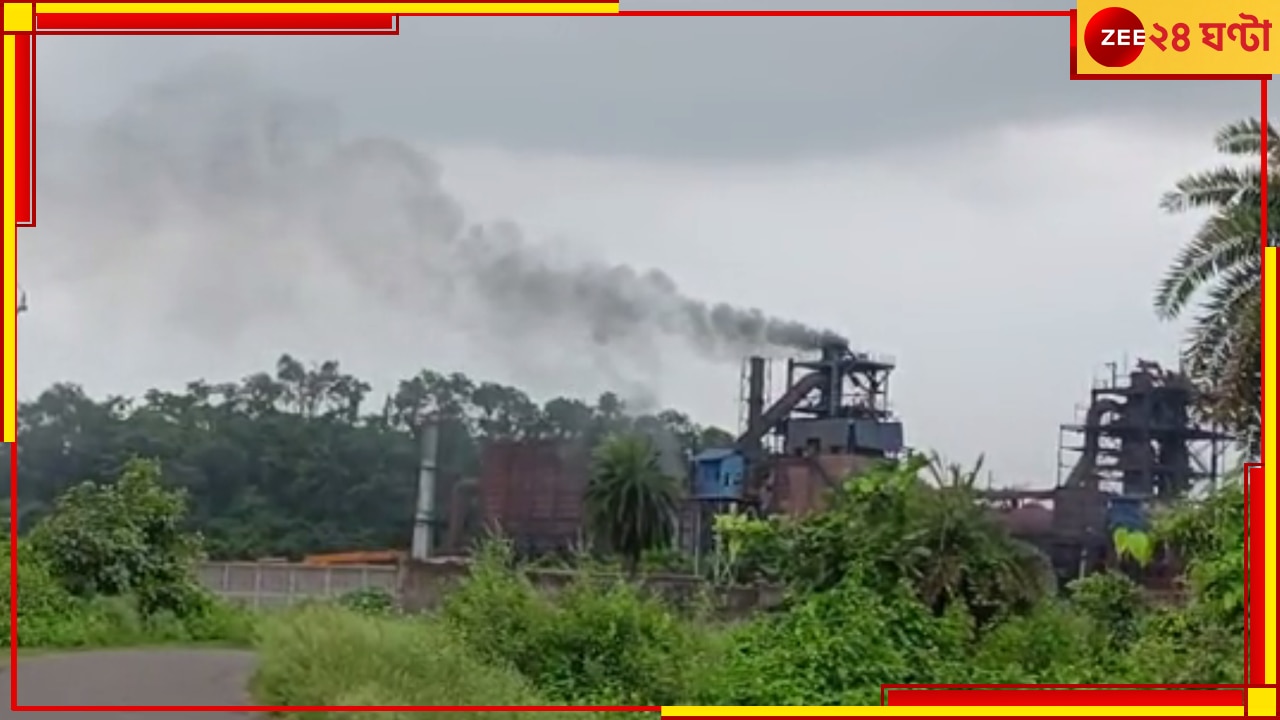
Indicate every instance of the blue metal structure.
{"type": "Point", "coordinates": [1126, 512]}
{"type": "Point", "coordinates": [719, 475]}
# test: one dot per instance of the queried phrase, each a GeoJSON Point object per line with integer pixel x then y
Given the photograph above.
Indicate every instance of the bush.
{"type": "Point", "coordinates": [369, 601]}
{"type": "Point", "coordinates": [598, 643]}
{"type": "Point", "coordinates": [124, 538]}
{"type": "Point", "coordinates": [320, 655]}
{"type": "Point", "coordinates": [1055, 643]}
{"type": "Point", "coordinates": [49, 616]}
{"type": "Point", "coordinates": [1184, 645]}
{"type": "Point", "coordinates": [112, 567]}
{"type": "Point", "coordinates": [838, 646]}
{"type": "Point", "coordinates": [43, 606]}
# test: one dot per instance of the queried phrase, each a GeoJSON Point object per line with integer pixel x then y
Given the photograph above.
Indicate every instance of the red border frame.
{"type": "Point", "coordinates": [323, 24]}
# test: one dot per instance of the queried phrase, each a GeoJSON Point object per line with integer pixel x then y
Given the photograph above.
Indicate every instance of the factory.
{"type": "Point", "coordinates": [1135, 446]}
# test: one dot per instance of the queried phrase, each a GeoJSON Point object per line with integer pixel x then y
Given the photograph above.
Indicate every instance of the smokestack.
{"type": "Point", "coordinates": [755, 401]}
{"type": "Point", "coordinates": [422, 519]}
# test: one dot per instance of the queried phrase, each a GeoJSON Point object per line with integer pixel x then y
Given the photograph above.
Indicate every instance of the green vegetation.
{"type": "Point", "coordinates": [330, 656]}
{"type": "Point", "coordinates": [107, 567]}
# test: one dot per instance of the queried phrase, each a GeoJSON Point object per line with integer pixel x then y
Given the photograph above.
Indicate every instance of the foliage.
{"type": "Point", "coordinates": [369, 601]}
{"type": "Point", "coordinates": [300, 460]}
{"type": "Point", "coordinates": [836, 647]}
{"type": "Point", "coordinates": [1114, 603]}
{"type": "Point", "coordinates": [1223, 263]}
{"type": "Point", "coordinates": [892, 527]}
{"type": "Point", "coordinates": [1210, 536]}
{"type": "Point", "coordinates": [107, 568]}
{"type": "Point", "coordinates": [631, 504]}
{"type": "Point", "coordinates": [599, 642]}
{"type": "Point", "coordinates": [1134, 544]}
{"type": "Point", "coordinates": [1054, 643]}
{"type": "Point", "coordinates": [748, 549]}
{"type": "Point", "coordinates": [123, 538]}
{"type": "Point", "coordinates": [1183, 646]}
{"type": "Point", "coordinates": [319, 655]}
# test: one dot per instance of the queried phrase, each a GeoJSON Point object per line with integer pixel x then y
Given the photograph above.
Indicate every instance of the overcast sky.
{"type": "Point", "coordinates": [961, 206]}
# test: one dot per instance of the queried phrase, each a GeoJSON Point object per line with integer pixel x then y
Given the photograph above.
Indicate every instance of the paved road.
{"type": "Point", "coordinates": [131, 677]}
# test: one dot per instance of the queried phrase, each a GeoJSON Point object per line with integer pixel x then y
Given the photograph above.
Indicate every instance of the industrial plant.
{"type": "Point", "coordinates": [1137, 445]}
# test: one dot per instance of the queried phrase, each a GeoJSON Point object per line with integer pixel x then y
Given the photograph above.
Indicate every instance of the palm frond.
{"type": "Point", "coordinates": [1223, 242]}
{"type": "Point", "coordinates": [1219, 187]}
{"type": "Point", "coordinates": [1245, 138]}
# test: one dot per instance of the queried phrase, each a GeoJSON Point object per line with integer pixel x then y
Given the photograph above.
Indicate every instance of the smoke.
{"type": "Point", "coordinates": [240, 195]}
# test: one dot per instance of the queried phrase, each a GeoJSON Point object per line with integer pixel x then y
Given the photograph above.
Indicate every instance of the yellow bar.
{"type": "Point", "coordinates": [405, 8]}
{"type": "Point", "coordinates": [909, 711]}
{"type": "Point", "coordinates": [10, 215]}
{"type": "Point", "coordinates": [17, 17]}
{"type": "Point", "coordinates": [1262, 701]}
{"type": "Point", "coordinates": [1269, 452]}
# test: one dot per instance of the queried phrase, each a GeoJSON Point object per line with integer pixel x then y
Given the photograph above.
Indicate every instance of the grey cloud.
{"type": "Point", "coordinates": [712, 87]}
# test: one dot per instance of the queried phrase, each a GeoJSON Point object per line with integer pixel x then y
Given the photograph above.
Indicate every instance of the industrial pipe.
{"type": "Point", "coordinates": [425, 515]}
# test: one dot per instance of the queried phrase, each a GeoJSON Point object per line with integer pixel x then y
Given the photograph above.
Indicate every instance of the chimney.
{"type": "Point", "coordinates": [425, 514]}
{"type": "Point", "coordinates": [755, 402]}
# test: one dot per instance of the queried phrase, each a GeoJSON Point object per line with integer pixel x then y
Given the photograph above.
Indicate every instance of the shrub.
{"type": "Point", "coordinates": [43, 604]}
{"type": "Point", "coordinates": [600, 642]}
{"type": "Point", "coordinates": [837, 647]}
{"type": "Point", "coordinates": [498, 612]}
{"type": "Point", "coordinates": [369, 601]}
{"type": "Point", "coordinates": [1113, 602]}
{"type": "Point", "coordinates": [1055, 643]}
{"type": "Point", "coordinates": [111, 567]}
{"type": "Point", "coordinates": [124, 538]}
{"type": "Point", "coordinates": [607, 644]}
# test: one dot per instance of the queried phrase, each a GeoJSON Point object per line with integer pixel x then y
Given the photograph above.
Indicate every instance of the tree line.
{"type": "Point", "coordinates": [299, 460]}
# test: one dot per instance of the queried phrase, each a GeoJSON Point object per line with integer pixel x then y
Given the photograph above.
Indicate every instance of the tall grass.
{"type": "Point", "coordinates": [327, 655]}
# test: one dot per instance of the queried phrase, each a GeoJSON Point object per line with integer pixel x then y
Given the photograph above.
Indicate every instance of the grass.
{"type": "Point", "coordinates": [324, 655]}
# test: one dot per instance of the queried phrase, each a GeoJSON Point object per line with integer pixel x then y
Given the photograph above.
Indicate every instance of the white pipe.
{"type": "Point", "coordinates": [425, 513]}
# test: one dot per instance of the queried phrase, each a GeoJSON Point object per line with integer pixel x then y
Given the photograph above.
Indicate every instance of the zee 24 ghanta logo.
{"type": "Point", "coordinates": [1115, 37]}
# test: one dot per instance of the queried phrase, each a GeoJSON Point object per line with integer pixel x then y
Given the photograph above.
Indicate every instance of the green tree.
{"type": "Point", "coordinates": [631, 504]}
{"type": "Point", "coordinates": [1222, 263]}
{"type": "Point", "coordinates": [122, 538]}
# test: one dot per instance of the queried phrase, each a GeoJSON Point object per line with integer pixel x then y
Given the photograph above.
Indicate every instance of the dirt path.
{"type": "Point", "coordinates": [132, 677]}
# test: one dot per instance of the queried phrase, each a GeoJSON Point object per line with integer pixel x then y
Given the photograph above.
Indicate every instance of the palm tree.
{"type": "Point", "coordinates": [1223, 262]}
{"type": "Point", "coordinates": [631, 504]}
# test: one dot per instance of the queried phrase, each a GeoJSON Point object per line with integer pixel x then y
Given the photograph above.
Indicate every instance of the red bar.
{"type": "Point", "coordinates": [1069, 698]}
{"type": "Point", "coordinates": [1256, 560]}
{"type": "Point", "coordinates": [24, 128]}
{"type": "Point", "coordinates": [224, 22]}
